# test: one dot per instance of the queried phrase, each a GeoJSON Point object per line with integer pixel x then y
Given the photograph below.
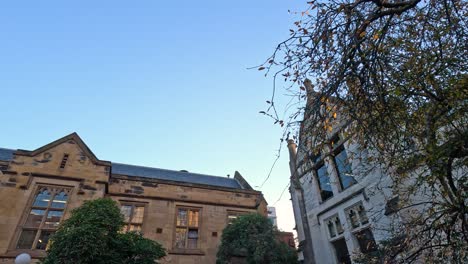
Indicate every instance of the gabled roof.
{"type": "Point", "coordinates": [171, 175]}
{"type": "Point", "coordinates": [74, 137]}
{"type": "Point", "coordinates": [137, 171]}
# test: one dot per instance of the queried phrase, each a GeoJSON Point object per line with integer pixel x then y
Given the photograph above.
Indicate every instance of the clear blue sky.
{"type": "Point", "coordinates": [155, 83]}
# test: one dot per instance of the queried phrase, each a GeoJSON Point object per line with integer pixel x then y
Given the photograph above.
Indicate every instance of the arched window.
{"type": "Point", "coordinates": [339, 226]}
{"type": "Point", "coordinates": [353, 218]}
{"type": "Point", "coordinates": [357, 215]}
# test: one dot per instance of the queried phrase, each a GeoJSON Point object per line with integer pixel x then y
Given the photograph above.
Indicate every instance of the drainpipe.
{"type": "Point", "coordinates": [306, 244]}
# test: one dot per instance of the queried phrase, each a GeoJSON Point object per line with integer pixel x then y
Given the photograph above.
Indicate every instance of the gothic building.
{"type": "Point", "coordinates": [341, 203]}
{"type": "Point", "coordinates": [185, 212]}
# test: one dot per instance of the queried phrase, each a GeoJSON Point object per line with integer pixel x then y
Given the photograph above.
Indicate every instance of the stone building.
{"type": "Point", "coordinates": [287, 238]}
{"type": "Point", "coordinates": [339, 201]}
{"type": "Point", "coordinates": [272, 215]}
{"type": "Point", "coordinates": [185, 212]}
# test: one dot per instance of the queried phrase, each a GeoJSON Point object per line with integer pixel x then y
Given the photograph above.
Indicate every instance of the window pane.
{"type": "Point", "coordinates": [182, 217]}
{"type": "Point", "coordinates": [192, 243]}
{"type": "Point", "coordinates": [136, 228]}
{"type": "Point", "coordinates": [60, 200]}
{"type": "Point", "coordinates": [344, 169]}
{"type": "Point", "coordinates": [42, 199]}
{"type": "Point", "coordinates": [353, 218]}
{"type": "Point", "coordinates": [339, 227]}
{"type": "Point", "coordinates": [331, 228]}
{"type": "Point", "coordinates": [324, 183]}
{"type": "Point", "coordinates": [193, 233]}
{"type": "Point", "coordinates": [126, 210]}
{"type": "Point", "coordinates": [35, 218]}
{"type": "Point", "coordinates": [193, 218]}
{"type": "Point", "coordinates": [138, 214]}
{"type": "Point", "coordinates": [234, 215]}
{"type": "Point", "coordinates": [26, 239]}
{"type": "Point", "coordinates": [43, 240]}
{"type": "Point", "coordinates": [181, 234]}
{"type": "Point", "coordinates": [362, 215]}
{"type": "Point", "coordinates": [53, 219]}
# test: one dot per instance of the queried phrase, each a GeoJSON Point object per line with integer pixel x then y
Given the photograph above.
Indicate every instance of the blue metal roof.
{"type": "Point", "coordinates": [6, 154]}
{"type": "Point", "coordinates": [156, 173]}
{"type": "Point", "coordinates": [179, 176]}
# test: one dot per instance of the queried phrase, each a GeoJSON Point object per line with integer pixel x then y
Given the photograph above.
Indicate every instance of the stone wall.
{"type": "Point", "coordinates": [89, 178]}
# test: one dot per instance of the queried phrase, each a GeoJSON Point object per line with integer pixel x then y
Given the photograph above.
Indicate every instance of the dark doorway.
{"type": "Point", "coordinates": [341, 250]}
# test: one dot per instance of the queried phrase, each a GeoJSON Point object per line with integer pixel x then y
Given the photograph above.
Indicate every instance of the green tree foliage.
{"type": "Point", "coordinates": [91, 236]}
{"type": "Point", "coordinates": [397, 70]}
{"type": "Point", "coordinates": [253, 237]}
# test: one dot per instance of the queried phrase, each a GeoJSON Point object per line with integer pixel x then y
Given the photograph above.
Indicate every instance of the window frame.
{"type": "Point", "coordinates": [129, 223]}
{"type": "Point", "coordinates": [332, 219]}
{"type": "Point", "coordinates": [319, 163]}
{"type": "Point", "coordinates": [363, 222]}
{"type": "Point", "coordinates": [339, 236]}
{"type": "Point", "coordinates": [237, 214]}
{"type": "Point", "coordinates": [317, 166]}
{"type": "Point", "coordinates": [54, 190]}
{"type": "Point", "coordinates": [364, 225]}
{"type": "Point", "coordinates": [337, 147]}
{"type": "Point", "coordinates": [187, 228]}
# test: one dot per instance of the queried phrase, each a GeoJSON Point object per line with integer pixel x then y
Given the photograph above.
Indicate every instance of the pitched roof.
{"type": "Point", "coordinates": [6, 154]}
{"type": "Point", "coordinates": [171, 175]}
{"type": "Point", "coordinates": [156, 173]}
{"type": "Point", "coordinates": [73, 137]}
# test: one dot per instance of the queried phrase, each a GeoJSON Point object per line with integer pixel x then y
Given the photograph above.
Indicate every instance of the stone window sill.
{"type": "Point", "coordinates": [186, 251]}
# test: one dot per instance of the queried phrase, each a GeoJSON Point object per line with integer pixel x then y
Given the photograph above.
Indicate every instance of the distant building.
{"type": "Point", "coordinates": [272, 215]}
{"type": "Point", "coordinates": [287, 238]}
{"type": "Point", "coordinates": [185, 212]}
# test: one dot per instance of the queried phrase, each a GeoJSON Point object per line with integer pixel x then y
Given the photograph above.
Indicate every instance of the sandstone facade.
{"type": "Point", "coordinates": [183, 211]}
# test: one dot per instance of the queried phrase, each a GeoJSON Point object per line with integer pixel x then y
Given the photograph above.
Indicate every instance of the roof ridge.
{"type": "Point", "coordinates": [173, 170]}
{"type": "Point", "coordinates": [8, 149]}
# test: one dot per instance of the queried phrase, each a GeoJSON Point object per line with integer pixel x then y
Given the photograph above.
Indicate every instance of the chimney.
{"type": "Point", "coordinates": [292, 155]}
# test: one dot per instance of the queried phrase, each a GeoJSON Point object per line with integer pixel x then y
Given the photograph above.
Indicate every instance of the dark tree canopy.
{"type": "Point", "coordinates": [92, 236]}
{"type": "Point", "coordinates": [397, 71]}
{"type": "Point", "coordinates": [253, 237]}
